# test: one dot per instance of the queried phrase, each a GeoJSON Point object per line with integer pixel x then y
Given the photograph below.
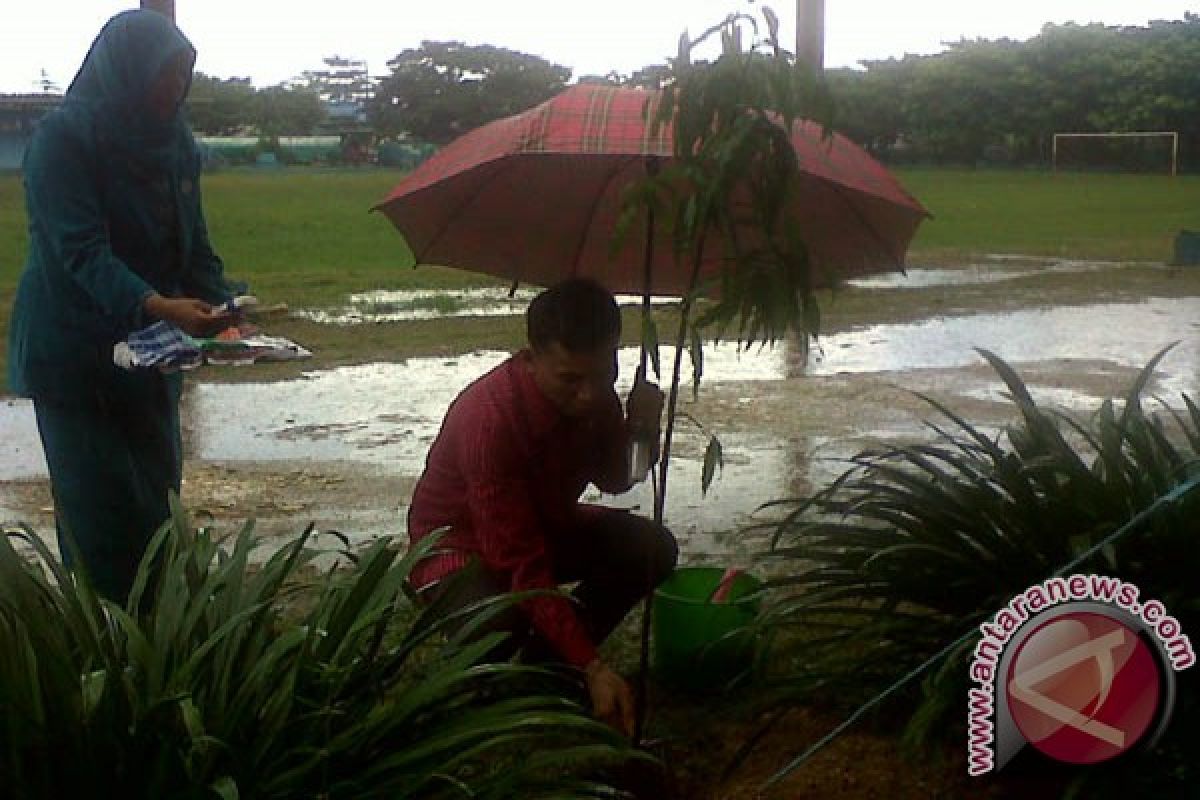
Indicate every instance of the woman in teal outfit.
{"type": "Point", "coordinates": [117, 242]}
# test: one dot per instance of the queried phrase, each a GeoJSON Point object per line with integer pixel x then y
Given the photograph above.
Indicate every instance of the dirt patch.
{"type": "Point", "coordinates": [865, 763]}
{"type": "Point", "coordinates": [360, 502]}
{"type": "Point", "coordinates": [292, 491]}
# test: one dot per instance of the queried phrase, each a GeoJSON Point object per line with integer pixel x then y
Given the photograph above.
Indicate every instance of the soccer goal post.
{"type": "Point", "coordinates": [1169, 138]}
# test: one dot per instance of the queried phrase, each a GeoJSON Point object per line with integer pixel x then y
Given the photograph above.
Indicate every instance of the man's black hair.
{"type": "Point", "coordinates": [578, 313]}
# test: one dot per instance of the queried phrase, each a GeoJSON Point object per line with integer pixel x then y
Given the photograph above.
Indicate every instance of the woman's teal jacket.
{"type": "Point", "coordinates": [114, 209]}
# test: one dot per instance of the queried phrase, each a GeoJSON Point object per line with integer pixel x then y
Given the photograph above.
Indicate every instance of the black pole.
{"type": "Point", "coordinates": [640, 691]}
{"type": "Point", "coordinates": [660, 487]}
{"type": "Point", "coordinates": [648, 258]}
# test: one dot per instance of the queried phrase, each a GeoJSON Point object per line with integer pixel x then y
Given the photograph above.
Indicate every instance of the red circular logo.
{"type": "Point", "coordinates": [1083, 688]}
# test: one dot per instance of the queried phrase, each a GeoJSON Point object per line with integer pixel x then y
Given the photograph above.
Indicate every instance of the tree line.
{"type": "Point", "coordinates": [986, 101]}
{"type": "Point", "coordinates": [225, 106]}
{"type": "Point", "coordinates": [978, 102]}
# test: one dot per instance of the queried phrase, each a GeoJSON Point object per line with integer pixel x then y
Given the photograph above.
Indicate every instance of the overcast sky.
{"type": "Point", "coordinates": [273, 40]}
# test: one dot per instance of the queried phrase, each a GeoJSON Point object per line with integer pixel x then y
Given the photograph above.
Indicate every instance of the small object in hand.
{"type": "Point", "coordinates": [160, 345]}
{"type": "Point", "coordinates": [639, 457]}
{"type": "Point", "coordinates": [725, 585]}
{"type": "Point", "coordinates": [643, 432]}
{"type": "Point", "coordinates": [244, 303]}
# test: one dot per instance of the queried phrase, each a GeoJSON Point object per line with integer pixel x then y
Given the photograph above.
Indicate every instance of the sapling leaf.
{"type": "Point", "coordinates": [713, 459]}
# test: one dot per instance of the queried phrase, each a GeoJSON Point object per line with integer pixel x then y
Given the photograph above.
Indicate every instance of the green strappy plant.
{"type": "Point", "coordinates": [222, 678]}
{"type": "Point", "coordinates": [916, 544]}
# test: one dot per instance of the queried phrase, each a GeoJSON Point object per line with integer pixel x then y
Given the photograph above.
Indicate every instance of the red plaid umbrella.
{"type": "Point", "coordinates": [535, 198]}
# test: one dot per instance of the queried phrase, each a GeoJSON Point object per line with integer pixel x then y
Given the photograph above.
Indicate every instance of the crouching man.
{"type": "Point", "coordinates": [516, 449]}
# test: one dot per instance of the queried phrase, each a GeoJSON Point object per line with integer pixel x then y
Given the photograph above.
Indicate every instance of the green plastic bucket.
{"type": "Point", "coordinates": [697, 645]}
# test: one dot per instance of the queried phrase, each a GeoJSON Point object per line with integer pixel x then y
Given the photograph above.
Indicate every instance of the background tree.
{"type": "Point", "coordinates": [442, 89]}
{"type": "Point", "coordinates": [983, 100]}
{"type": "Point", "coordinates": [343, 81]}
{"type": "Point", "coordinates": [221, 106]}
{"type": "Point", "coordinates": [281, 111]}
{"type": "Point", "coordinates": [652, 76]}
{"type": "Point", "coordinates": [611, 78]}
{"type": "Point", "coordinates": [959, 104]}
{"type": "Point", "coordinates": [870, 109]}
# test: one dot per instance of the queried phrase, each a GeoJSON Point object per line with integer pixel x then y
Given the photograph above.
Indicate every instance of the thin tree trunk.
{"type": "Point", "coordinates": [164, 7]}
{"type": "Point", "coordinates": [810, 34]}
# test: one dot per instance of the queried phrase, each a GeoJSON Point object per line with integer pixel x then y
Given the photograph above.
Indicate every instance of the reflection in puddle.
{"type": "Point", "coordinates": [398, 305]}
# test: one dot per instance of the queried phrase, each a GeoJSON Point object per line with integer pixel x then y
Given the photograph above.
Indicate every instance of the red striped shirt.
{"type": "Point", "coordinates": [505, 474]}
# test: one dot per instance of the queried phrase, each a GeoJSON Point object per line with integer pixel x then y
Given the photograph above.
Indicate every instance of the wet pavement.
{"type": "Point", "coordinates": [341, 447]}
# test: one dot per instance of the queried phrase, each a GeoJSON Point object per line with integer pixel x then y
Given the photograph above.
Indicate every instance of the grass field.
{"type": "Point", "coordinates": [305, 237]}
{"type": "Point", "coordinates": [1088, 216]}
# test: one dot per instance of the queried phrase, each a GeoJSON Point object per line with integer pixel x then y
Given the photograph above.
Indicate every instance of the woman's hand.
{"type": "Point", "coordinates": [194, 317]}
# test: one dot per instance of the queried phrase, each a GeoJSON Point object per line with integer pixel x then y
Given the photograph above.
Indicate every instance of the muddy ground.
{"type": "Point", "coordinates": [341, 444]}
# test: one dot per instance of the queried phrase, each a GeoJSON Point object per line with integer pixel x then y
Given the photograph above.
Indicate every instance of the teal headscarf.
{"type": "Point", "coordinates": [115, 80]}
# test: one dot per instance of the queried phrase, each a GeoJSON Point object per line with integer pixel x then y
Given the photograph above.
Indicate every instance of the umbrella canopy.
{"type": "Point", "coordinates": [535, 198]}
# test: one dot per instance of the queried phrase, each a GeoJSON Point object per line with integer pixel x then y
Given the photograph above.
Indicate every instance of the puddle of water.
{"type": "Point", "coordinates": [1018, 258]}
{"type": "Point", "coordinates": [756, 471]}
{"type": "Point", "coordinates": [712, 526]}
{"type": "Point", "coordinates": [388, 305]}
{"type": "Point", "coordinates": [388, 414]}
{"type": "Point", "coordinates": [995, 271]}
{"type": "Point", "coordinates": [20, 448]}
{"type": "Point", "coordinates": [1128, 334]}
{"type": "Point", "coordinates": [394, 306]}
{"type": "Point", "coordinates": [384, 414]}
{"type": "Point", "coordinates": [923, 278]}
{"type": "Point", "coordinates": [1046, 397]}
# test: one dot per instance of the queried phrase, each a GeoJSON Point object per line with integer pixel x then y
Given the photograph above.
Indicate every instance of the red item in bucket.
{"type": "Point", "coordinates": [725, 585]}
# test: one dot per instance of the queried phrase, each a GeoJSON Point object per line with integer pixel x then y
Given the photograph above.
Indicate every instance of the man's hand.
{"type": "Point", "coordinates": [612, 700]}
{"type": "Point", "coordinates": [643, 409]}
{"type": "Point", "coordinates": [192, 316]}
